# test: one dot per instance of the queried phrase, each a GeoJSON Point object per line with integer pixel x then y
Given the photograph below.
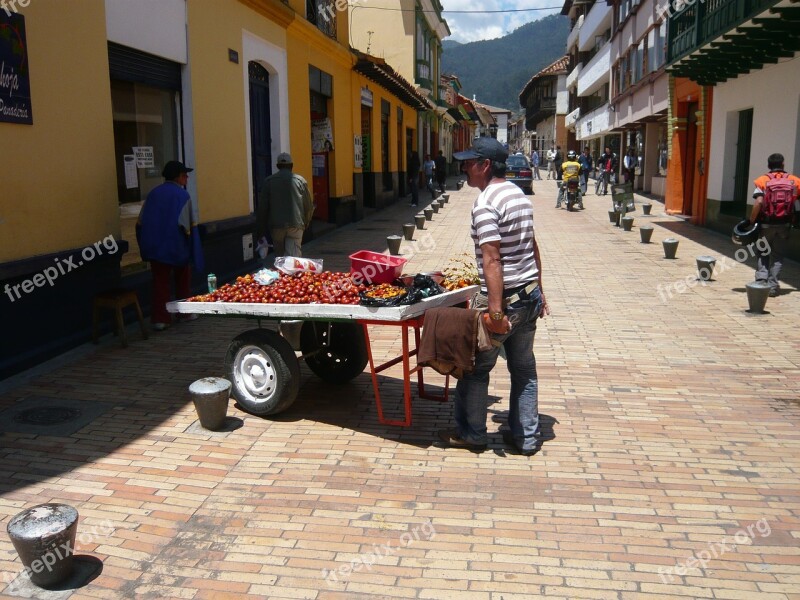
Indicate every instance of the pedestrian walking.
{"type": "Point", "coordinates": [440, 162]}
{"type": "Point", "coordinates": [559, 162]}
{"type": "Point", "coordinates": [551, 166]}
{"type": "Point", "coordinates": [169, 241]}
{"type": "Point", "coordinates": [585, 160]}
{"type": "Point", "coordinates": [429, 167]}
{"type": "Point", "coordinates": [510, 269]}
{"type": "Point", "coordinates": [285, 208]}
{"type": "Point", "coordinates": [607, 163]}
{"type": "Point", "coordinates": [776, 208]}
{"type": "Point", "coordinates": [535, 163]}
{"type": "Point", "coordinates": [629, 165]}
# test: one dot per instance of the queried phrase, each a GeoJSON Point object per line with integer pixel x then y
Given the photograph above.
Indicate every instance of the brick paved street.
{"type": "Point", "coordinates": [673, 472]}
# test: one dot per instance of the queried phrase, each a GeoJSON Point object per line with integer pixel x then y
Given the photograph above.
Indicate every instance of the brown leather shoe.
{"type": "Point", "coordinates": [451, 438]}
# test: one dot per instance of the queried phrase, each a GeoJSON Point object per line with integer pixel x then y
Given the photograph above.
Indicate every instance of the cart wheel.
{"type": "Point", "coordinates": [264, 372]}
{"type": "Point", "coordinates": [338, 359]}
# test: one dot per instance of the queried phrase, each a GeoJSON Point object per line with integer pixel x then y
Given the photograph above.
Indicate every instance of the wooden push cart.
{"type": "Point", "coordinates": [264, 369]}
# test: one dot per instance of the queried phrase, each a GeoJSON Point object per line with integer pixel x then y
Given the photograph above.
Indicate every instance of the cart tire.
{"type": "Point", "coordinates": [345, 355]}
{"type": "Point", "coordinates": [263, 371]}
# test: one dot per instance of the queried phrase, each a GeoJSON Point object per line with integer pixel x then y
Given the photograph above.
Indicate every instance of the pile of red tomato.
{"type": "Point", "coordinates": [301, 288]}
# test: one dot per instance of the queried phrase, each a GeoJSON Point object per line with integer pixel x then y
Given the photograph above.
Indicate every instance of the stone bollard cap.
{"type": "Point", "coordinates": [42, 521]}
{"type": "Point", "coordinates": [706, 259]}
{"type": "Point", "coordinates": [209, 385]}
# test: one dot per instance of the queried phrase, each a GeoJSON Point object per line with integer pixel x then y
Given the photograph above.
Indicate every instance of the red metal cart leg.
{"type": "Point", "coordinates": [406, 379]}
{"type": "Point", "coordinates": [408, 371]}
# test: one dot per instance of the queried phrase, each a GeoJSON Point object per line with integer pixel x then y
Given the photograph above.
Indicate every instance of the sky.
{"type": "Point", "coordinates": [486, 26]}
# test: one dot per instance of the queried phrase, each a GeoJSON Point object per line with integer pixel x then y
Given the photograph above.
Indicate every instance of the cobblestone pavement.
{"type": "Point", "coordinates": [673, 472]}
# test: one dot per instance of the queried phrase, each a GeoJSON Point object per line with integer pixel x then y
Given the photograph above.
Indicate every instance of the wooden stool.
{"type": "Point", "coordinates": [116, 300]}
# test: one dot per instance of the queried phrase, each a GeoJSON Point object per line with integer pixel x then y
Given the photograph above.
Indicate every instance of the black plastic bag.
{"type": "Point", "coordinates": [422, 287]}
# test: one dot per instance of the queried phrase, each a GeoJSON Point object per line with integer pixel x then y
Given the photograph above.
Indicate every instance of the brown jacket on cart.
{"type": "Point", "coordinates": [450, 339]}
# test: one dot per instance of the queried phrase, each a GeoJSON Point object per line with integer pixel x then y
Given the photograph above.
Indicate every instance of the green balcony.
{"type": "Point", "coordinates": [716, 40]}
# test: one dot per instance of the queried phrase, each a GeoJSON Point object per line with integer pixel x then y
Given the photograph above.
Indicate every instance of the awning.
{"type": "Point", "coordinates": [456, 114]}
{"type": "Point", "coordinates": [375, 69]}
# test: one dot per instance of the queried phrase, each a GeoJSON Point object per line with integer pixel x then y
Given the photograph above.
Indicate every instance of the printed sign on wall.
{"type": "Point", "coordinates": [358, 149]}
{"type": "Point", "coordinates": [15, 86]}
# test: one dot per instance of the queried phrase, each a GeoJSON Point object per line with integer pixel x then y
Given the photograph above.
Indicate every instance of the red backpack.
{"type": "Point", "coordinates": [779, 195]}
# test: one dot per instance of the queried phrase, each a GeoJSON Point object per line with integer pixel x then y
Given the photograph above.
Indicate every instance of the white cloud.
{"type": "Point", "coordinates": [486, 26]}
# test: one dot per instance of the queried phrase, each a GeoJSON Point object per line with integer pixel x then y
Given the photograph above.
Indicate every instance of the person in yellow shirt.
{"type": "Point", "coordinates": [571, 170]}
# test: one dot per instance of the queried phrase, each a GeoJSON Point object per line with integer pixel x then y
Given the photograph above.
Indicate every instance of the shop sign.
{"type": "Point", "coordinates": [15, 86]}
{"type": "Point", "coordinates": [366, 97]}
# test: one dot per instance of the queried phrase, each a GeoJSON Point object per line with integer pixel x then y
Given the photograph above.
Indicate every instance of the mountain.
{"type": "Point", "coordinates": [496, 70]}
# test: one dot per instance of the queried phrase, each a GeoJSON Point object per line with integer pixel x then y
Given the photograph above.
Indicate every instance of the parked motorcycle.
{"type": "Point", "coordinates": [572, 193]}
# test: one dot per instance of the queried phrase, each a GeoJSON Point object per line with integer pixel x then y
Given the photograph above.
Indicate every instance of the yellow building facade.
{"type": "Point", "coordinates": [222, 85]}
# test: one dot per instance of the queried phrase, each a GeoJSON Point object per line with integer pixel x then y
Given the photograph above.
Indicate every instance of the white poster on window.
{"type": "Point", "coordinates": [321, 135]}
{"type": "Point", "coordinates": [144, 157]}
{"type": "Point", "coordinates": [131, 174]}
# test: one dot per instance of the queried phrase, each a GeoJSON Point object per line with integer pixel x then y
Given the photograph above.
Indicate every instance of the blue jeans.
{"type": "Point", "coordinates": [472, 397]}
{"type": "Point", "coordinates": [770, 260]}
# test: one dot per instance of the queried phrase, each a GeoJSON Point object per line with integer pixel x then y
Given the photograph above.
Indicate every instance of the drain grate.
{"type": "Point", "coordinates": [42, 415]}
{"type": "Point", "coordinates": [47, 415]}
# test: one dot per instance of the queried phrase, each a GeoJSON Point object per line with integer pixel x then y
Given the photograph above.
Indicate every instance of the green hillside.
{"type": "Point", "coordinates": [496, 70]}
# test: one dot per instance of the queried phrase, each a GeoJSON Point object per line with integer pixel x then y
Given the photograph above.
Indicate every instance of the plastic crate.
{"type": "Point", "coordinates": [374, 267]}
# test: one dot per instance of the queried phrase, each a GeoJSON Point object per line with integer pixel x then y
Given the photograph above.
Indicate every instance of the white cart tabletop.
{"type": "Point", "coordinates": [323, 311]}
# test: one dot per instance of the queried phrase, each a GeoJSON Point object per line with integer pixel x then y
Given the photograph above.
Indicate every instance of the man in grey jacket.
{"type": "Point", "coordinates": [285, 208]}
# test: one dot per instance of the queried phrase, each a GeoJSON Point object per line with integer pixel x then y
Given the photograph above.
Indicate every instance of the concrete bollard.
{"type": "Point", "coordinates": [612, 216]}
{"type": "Point", "coordinates": [670, 247]}
{"type": "Point", "coordinates": [419, 220]}
{"type": "Point", "coordinates": [44, 538]}
{"type": "Point", "coordinates": [705, 267]}
{"type": "Point", "coordinates": [757, 295]}
{"type": "Point", "coordinates": [646, 208]}
{"type": "Point", "coordinates": [435, 206]}
{"type": "Point", "coordinates": [646, 232]}
{"type": "Point", "coordinates": [210, 396]}
{"type": "Point", "coordinates": [446, 198]}
{"type": "Point", "coordinates": [627, 223]}
{"type": "Point", "coordinates": [393, 243]}
{"type": "Point", "coordinates": [428, 214]}
{"type": "Point", "coordinates": [408, 231]}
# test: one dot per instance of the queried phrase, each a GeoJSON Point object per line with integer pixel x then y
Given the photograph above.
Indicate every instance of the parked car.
{"type": "Point", "coordinates": [518, 170]}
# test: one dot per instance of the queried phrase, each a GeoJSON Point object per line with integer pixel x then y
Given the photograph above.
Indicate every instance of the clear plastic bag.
{"type": "Point", "coordinates": [293, 264]}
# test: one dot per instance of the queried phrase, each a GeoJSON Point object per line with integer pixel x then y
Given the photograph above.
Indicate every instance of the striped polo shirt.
{"type": "Point", "coordinates": [503, 213]}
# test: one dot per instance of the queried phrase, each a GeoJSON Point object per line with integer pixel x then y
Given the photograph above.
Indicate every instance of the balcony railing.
{"type": "Point", "coordinates": [424, 74]}
{"type": "Point", "coordinates": [572, 38]}
{"type": "Point", "coordinates": [572, 78]}
{"type": "Point", "coordinates": [572, 118]}
{"type": "Point", "coordinates": [703, 22]}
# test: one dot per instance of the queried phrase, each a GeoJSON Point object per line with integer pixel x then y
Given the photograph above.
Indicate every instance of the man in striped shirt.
{"type": "Point", "coordinates": [511, 293]}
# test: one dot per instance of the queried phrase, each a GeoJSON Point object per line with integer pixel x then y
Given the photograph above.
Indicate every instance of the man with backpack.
{"type": "Point", "coordinates": [777, 202]}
